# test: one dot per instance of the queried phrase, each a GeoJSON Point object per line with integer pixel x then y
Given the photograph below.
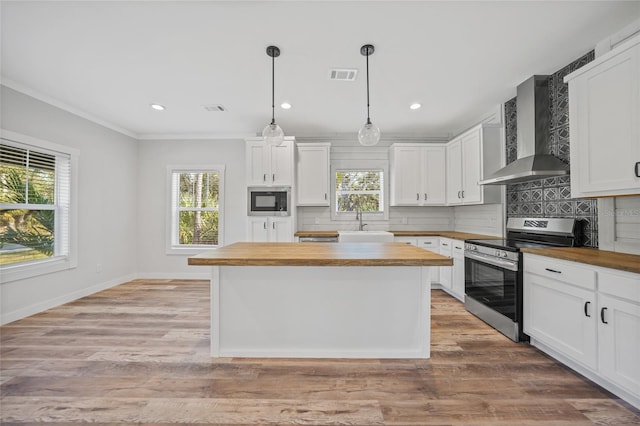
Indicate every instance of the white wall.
{"type": "Point", "coordinates": [153, 158]}
{"type": "Point", "coordinates": [107, 214]}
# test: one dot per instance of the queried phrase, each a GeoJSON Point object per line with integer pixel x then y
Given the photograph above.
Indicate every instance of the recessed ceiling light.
{"type": "Point", "coordinates": [158, 107]}
{"type": "Point", "coordinates": [285, 105]}
{"type": "Point", "coordinates": [415, 105]}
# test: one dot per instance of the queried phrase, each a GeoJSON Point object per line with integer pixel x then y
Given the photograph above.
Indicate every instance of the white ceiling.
{"type": "Point", "coordinates": [110, 60]}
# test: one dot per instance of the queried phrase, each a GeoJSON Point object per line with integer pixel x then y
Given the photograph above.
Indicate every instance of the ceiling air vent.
{"type": "Point", "coordinates": [214, 108]}
{"type": "Point", "coordinates": [343, 74]}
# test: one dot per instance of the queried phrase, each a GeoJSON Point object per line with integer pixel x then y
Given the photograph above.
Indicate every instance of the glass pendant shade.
{"type": "Point", "coordinates": [273, 134]}
{"type": "Point", "coordinates": [369, 134]}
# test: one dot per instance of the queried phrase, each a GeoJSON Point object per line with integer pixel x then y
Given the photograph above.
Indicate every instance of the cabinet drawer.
{"type": "Point", "coordinates": [432, 244]}
{"type": "Point", "coordinates": [446, 246]}
{"type": "Point", "coordinates": [458, 248]}
{"type": "Point", "coordinates": [559, 270]}
{"type": "Point", "coordinates": [618, 284]}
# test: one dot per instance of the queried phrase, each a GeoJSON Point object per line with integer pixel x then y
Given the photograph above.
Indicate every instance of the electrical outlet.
{"type": "Point", "coordinates": [98, 268]}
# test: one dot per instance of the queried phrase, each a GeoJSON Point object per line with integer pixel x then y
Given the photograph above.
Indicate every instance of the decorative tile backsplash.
{"type": "Point", "coordinates": [551, 197]}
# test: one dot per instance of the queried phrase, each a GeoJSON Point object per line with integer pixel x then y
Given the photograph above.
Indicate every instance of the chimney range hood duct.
{"type": "Point", "coordinates": [533, 117]}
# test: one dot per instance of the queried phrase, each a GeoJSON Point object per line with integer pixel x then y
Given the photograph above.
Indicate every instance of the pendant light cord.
{"type": "Point", "coordinates": [273, 90]}
{"type": "Point", "coordinates": [368, 119]}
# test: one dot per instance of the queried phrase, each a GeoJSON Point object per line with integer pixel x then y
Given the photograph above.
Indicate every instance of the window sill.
{"type": "Point", "coordinates": [189, 250]}
{"type": "Point", "coordinates": [34, 269]}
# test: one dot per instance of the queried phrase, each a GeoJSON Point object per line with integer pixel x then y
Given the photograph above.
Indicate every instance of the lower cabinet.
{"type": "Point", "coordinates": [427, 243]}
{"type": "Point", "coordinates": [270, 229]}
{"type": "Point", "coordinates": [588, 317]}
{"type": "Point", "coordinates": [457, 270]}
{"type": "Point", "coordinates": [446, 272]}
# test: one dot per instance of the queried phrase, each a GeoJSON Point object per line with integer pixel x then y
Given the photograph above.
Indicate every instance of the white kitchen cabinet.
{"type": "Point", "coordinates": [270, 229]}
{"type": "Point", "coordinates": [268, 164]}
{"type": "Point", "coordinates": [418, 174]}
{"type": "Point", "coordinates": [619, 329]}
{"type": "Point", "coordinates": [588, 317]}
{"type": "Point", "coordinates": [427, 243]}
{"type": "Point", "coordinates": [312, 174]}
{"type": "Point", "coordinates": [446, 272]}
{"type": "Point", "coordinates": [457, 270]}
{"type": "Point", "coordinates": [604, 124]}
{"type": "Point", "coordinates": [469, 157]}
{"type": "Point", "coordinates": [560, 308]}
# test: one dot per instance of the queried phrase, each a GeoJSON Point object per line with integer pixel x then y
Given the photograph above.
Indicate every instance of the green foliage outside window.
{"type": "Point", "coordinates": [198, 208]}
{"type": "Point", "coordinates": [359, 189]}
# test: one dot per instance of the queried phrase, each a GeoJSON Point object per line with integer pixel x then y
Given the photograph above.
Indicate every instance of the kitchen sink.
{"type": "Point", "coordinates": [365, 237]}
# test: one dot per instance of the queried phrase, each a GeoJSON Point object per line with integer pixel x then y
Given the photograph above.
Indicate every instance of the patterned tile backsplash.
{"type": "Point", "coordinates": [551, 197]}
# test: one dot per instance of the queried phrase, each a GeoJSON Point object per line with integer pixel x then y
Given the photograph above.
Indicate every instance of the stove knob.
{"type": "Point", "coordinates": [503, 254]}
{"type": "Point", "coordinates": [471, 247]}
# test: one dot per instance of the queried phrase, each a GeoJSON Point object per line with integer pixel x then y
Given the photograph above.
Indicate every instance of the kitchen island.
{"type": "Point", "coordinates": [320, 300]}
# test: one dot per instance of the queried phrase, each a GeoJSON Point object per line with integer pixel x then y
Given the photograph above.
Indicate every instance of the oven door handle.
{"type": "Point", "coordinates": [491, 260]}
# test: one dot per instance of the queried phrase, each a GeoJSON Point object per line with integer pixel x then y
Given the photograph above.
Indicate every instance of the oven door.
{"type": "Point", "coordinates": [493, 282]}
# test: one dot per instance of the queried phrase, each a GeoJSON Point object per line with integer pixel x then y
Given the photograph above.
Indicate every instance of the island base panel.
{"type": "Point", "coordinates": [320, 312]}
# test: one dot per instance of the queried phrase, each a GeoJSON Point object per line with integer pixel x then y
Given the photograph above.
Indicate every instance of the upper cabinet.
{"type": "Point", "coordinates": [312, 174]}
{"type": "Point", "coordinates": [604, 124]}
{"type": "Point", "coordinates": [269, 165]}
{"type": "Point", "coordinates": [418, 175]}
{"type": "Point", "coordinates": [470, 157]}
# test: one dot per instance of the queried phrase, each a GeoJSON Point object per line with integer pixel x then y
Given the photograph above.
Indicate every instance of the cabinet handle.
{"type": "Point", "coordinates": [417, 196]}
{"type": "Point", "coordinates": [462, 193]}
{"type": "Point", "coordinates": [445, 244]}
{"type": "Point", "coordinates": [427, 243]}
{"type": "Point", "coordinates": [273, 225]}
{"type": "Point", "coordinates": [264, 177]}
{"type": "Point", "coordinates": [459, 194]}
{"type": "Point", "coordinates": [586, 309]}
{"type": "Point", "coordinates": [425, 196]}
{"type": "Point", "coordinates": [637, 169]}
{"type": "Point", "coordinates": [602, 315]}
{"type": "Point", "coordinates": [273, 177]}
{"type": "Point", "coordinates": [553, 270]}
{"type": "Point", "coordinates": [325, 195]}
{"type": "Point", "coordinates": [459, 248]}
{"type": "Point", "coordinates": [264, 225]}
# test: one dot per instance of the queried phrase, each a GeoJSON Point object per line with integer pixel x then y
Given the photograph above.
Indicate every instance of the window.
{"type": "Point", "coordinates": [196, 195]}
{"type": "Point", "coordinates": [35, 207]}
{"type": "Point", "coordinates": [359, 189]}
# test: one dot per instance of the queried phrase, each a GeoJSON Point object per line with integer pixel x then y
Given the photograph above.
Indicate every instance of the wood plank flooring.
{"type": "Point", "coordinates": [139, 353]}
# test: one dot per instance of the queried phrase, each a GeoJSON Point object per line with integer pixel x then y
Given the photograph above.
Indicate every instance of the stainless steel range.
{"type": "Point", "coordinates": [493, 269]}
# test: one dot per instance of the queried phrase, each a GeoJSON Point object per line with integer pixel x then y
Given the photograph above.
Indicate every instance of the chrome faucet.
{"type": "Point", "coordinates": [359, 218]}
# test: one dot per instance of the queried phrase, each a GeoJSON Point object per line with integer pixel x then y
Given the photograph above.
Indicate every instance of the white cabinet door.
{"type": "Point", "coordinates": [312, 171]}
{"type": "Point", "coordinates": [457, 270]}
{"type": "Point", "coordinates": [262, 229]}
{"type": "Point", "coordinates": [280, 230]}
{"type": "Point", "coordinates": [619, 341]}
{"type": "Point", "coordinates": [561, 316]}
{"type": "Point", "coordinates": [454, 173]}
{"type": "Point", "coordinates": [282, 164]}
{"type": "Point", "coordinates": [604, 106]}
{"type": "Point", "coordinates": [268, 164]}
{"type": "Point", "coordinates": [258, 159]}
{"type": "Point", "coordinates": [471, 168]}
{"type": "Point", "coordinates": [434, 176]}
{"type": "Point", "coordinates": [406, 175]}
{"type": "Point", "coordinates": [258, 231]}
{"type": "Point", "coordinates": [446, 272]}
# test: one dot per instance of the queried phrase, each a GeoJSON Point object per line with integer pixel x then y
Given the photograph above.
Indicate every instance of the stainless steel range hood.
{"type": "Point", "coordinates": [534, 115]}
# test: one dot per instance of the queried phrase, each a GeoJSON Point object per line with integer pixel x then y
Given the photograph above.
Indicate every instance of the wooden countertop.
{"type": "Point", "coordinates": [447, 234]}
{"type": "Point", "coordinates": [590, 256]}
{"type": "Point", "coordinates": [320, 254]}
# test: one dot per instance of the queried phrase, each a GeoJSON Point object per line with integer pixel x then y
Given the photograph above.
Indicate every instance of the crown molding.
{"type": "Point", "coordinates": [18, 87]}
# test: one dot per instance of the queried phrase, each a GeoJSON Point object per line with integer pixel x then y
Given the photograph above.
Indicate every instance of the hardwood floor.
{"type": "Point", "coordinates": [139, 353]}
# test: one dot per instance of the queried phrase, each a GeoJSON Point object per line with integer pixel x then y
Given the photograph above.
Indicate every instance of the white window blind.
{"type": "Point", "coordinates": [359, 189]}
{"type": "Point", "coordinates": [35, 200]}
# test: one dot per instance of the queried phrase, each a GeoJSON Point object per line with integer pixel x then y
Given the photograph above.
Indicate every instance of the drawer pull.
{"type": "Point", "coordinates": [445, 244]}
{"type": "Point", "coordinates": [602, 315]}
{"type": "Point", "coordinates": [553, 270]}
{"type": "Point", "coordinates": [637, 169]}
{"type": "Point", "coordinates": [417, 196]}
{"type": "Point", "coordinates": [586, 309]}
{"type": "Point", "coordinates": [459, 248]}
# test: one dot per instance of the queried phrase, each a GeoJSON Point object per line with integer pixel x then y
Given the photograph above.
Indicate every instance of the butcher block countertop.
{"type": "Point", "coordinates": [446, 234]}
{"type": "Point", "coordinates": [590, 256]}
{"type": "Point", "coordinates": [320, 254]}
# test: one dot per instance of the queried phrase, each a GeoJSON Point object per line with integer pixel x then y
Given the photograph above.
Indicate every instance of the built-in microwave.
{"type": "Point", "coordinates": [269, 201]}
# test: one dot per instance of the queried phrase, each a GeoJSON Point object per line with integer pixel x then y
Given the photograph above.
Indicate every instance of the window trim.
{"type": "Point", "coordinates": [356, 165]}
{"type": "Point", "coordinates": [178, 249]}
{"type": "Point", "coordinates": [54, 264]}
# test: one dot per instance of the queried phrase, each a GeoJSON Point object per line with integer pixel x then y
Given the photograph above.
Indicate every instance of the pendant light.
{"type": "Point", "coordinates": [369, 134]}
{"type": "Point", "coordinates": [272, 133]}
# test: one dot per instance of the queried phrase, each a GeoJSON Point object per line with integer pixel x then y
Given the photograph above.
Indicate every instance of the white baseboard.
{"type": "Point", "coordinates": [174, 276]}
{"type": "Point", "coordinates": [61, 300]}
